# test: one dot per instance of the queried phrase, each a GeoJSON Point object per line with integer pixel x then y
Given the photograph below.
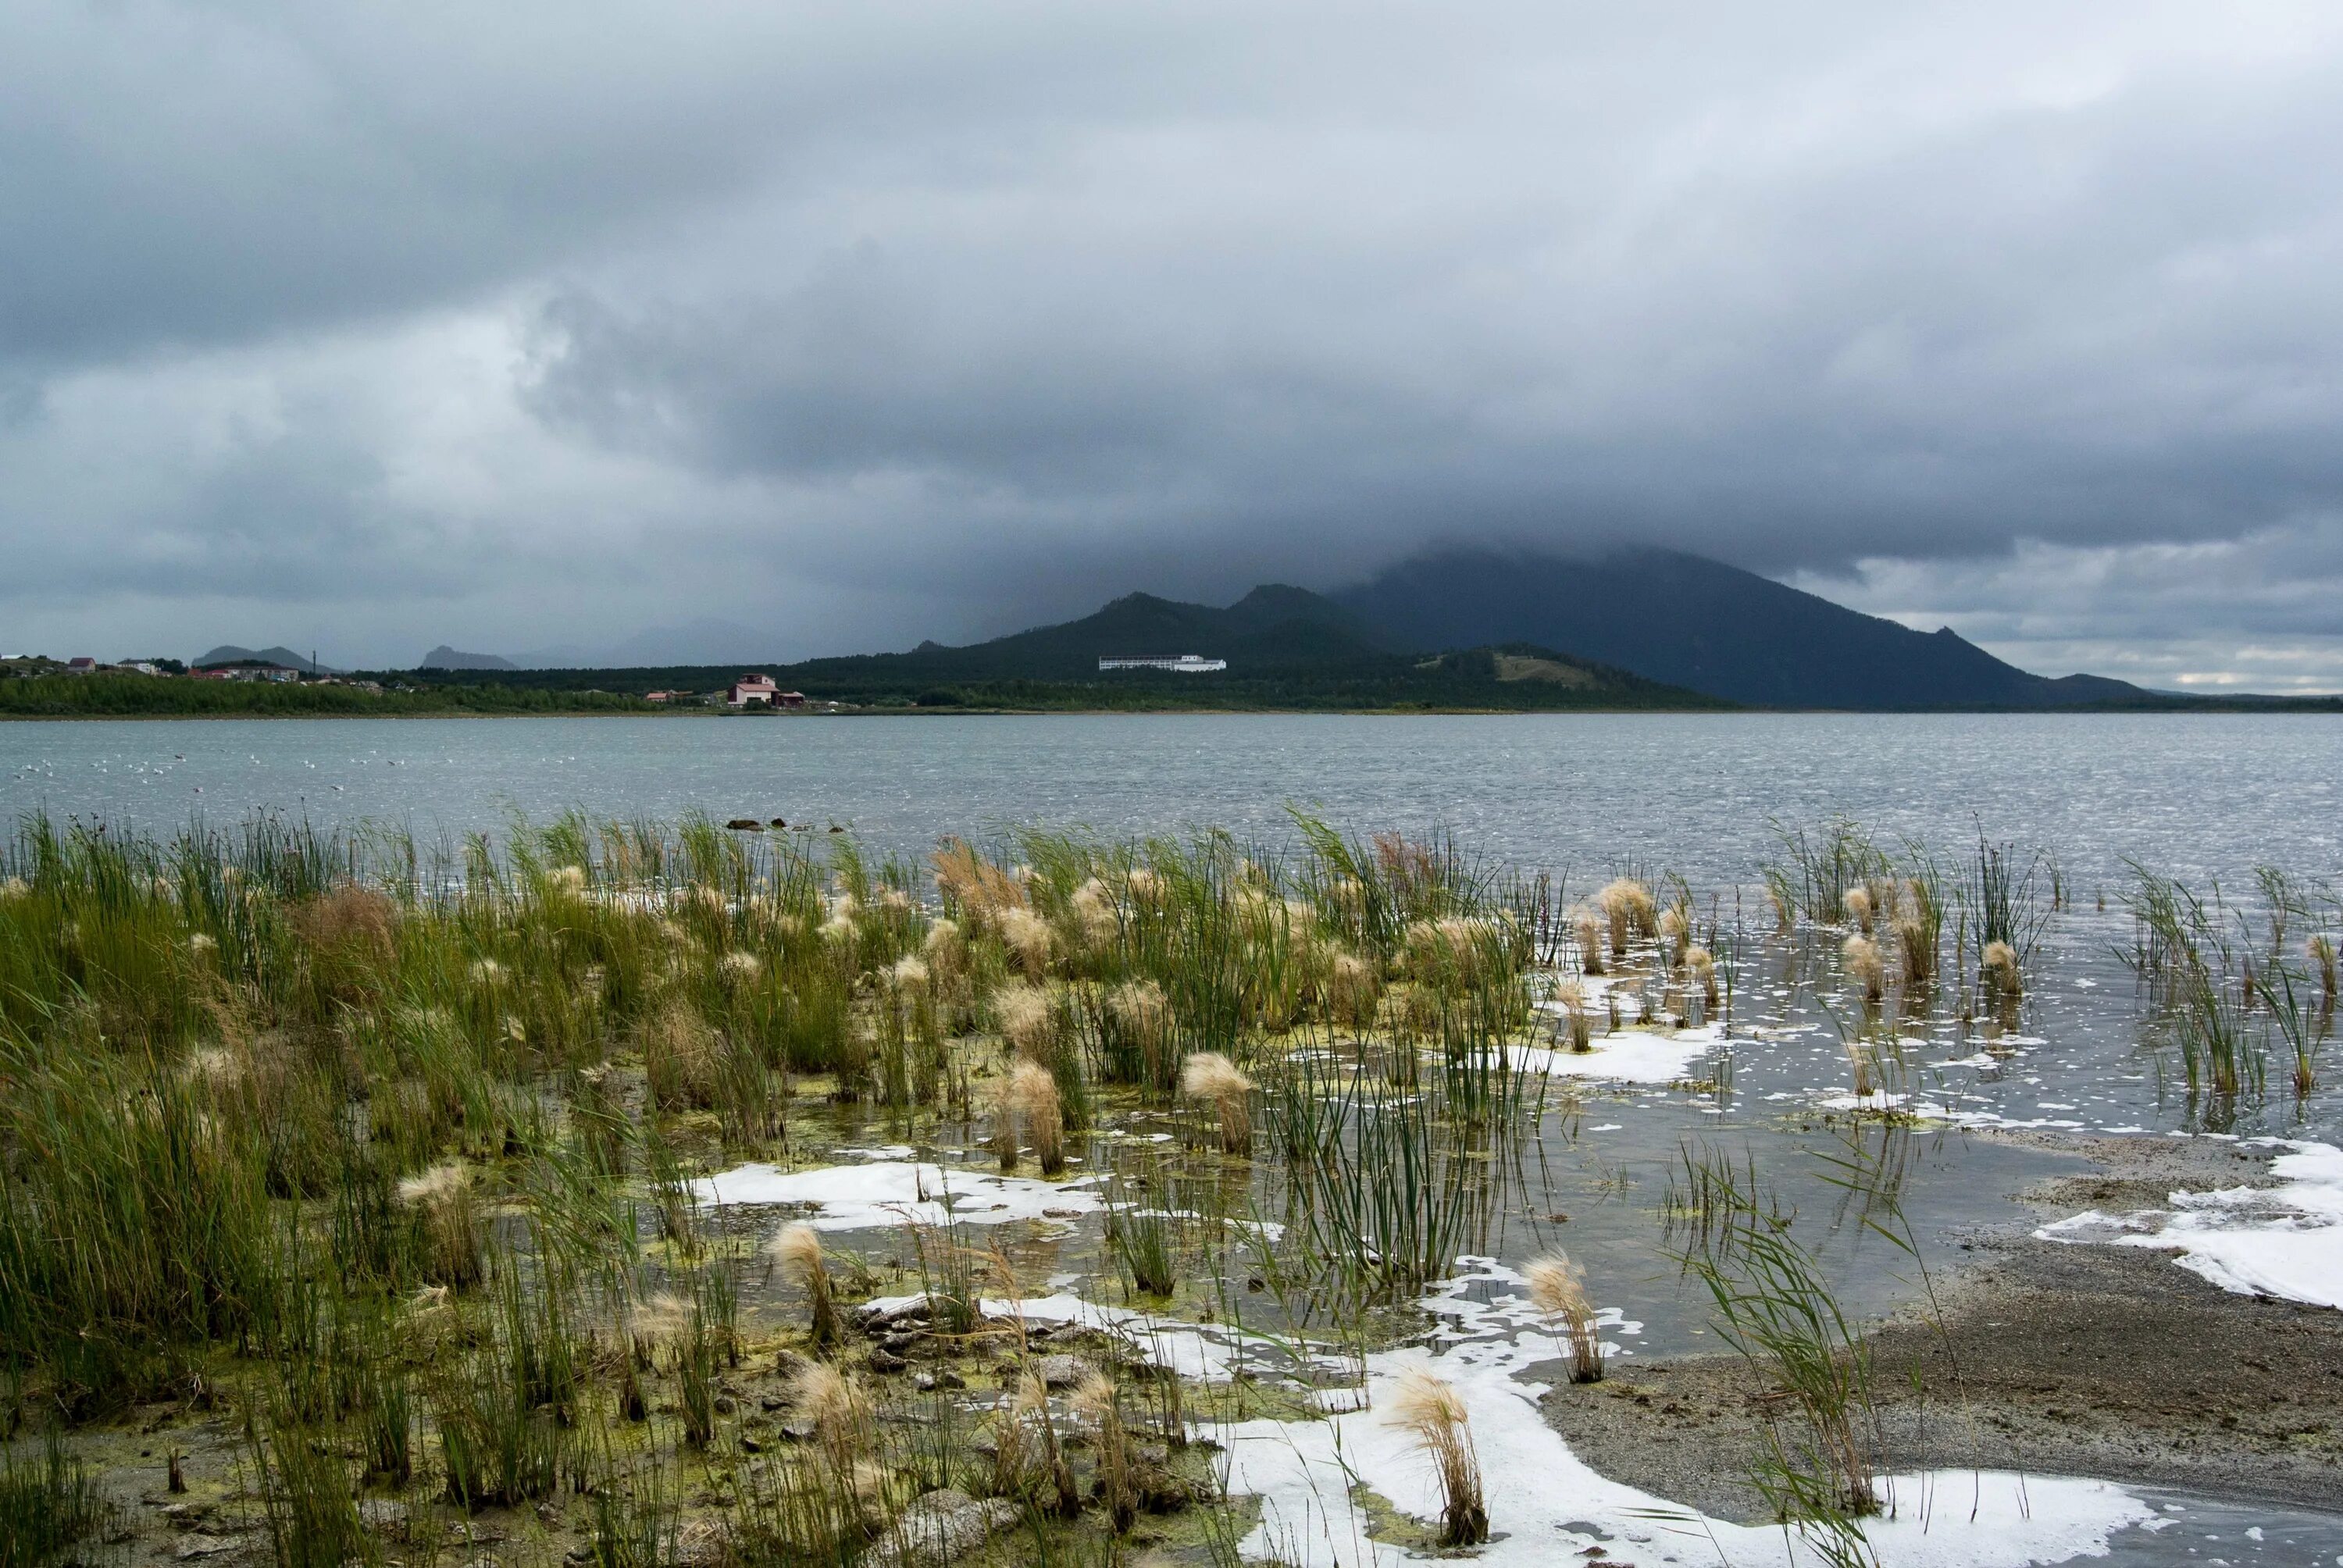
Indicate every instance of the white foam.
{"type": "Point", "coordinates": [1546, 1505]}
{"type": "Point", "coordinates": [1628, 1056]}
{"type": "Point", "coordinates": [2285, 1241]}
{"type": "Point", "coordinates": [886, 1192]}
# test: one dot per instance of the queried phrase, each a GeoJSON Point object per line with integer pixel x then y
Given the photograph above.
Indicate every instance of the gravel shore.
{"type": "Point", "coordinates": [2094, 1360]}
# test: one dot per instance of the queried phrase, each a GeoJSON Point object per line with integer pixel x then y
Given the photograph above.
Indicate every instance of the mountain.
{"type": "Point", "coordinates": [1689, 621]}
{"type": "Point", "coordinates": [228, 653]}
{"type": "Point", "coordinates": [1274, 628]}
{"type": "Point", "coordinates": [446, 657]}
{"type": "Point", "coordinates": [1286, 648]}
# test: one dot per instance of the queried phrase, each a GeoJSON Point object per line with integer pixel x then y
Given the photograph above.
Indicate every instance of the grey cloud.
{"type": "Point", "coordinates": [939, 320]}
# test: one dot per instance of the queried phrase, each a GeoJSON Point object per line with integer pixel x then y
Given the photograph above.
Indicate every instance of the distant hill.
{"type": "Point", "coordinates": [228, 653]}
{"type": "Point", "coordinates": [1286, 648]}
{"type": "Point", "coordinates": [1275, 627]}
{"type": "Point", "coordinates": [1689, 621]}
{"type": "Point", "coordinates": [446, 657]}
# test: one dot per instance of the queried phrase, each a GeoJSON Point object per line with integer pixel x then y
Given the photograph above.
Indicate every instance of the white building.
{"type": "Point", "coordinates": [1183, 663]}
{"type": "Point", "coordinates": [753, 692]}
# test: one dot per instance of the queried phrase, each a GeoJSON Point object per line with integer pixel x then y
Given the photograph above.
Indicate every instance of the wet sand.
{"type": "Point", "coordinates": [2107, 1362]}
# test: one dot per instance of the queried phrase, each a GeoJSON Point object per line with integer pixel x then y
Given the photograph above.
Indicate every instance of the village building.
{"type": "Point", "coordinates": [1181, 663]}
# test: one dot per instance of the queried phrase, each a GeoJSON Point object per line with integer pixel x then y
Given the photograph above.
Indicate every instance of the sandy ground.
{"type": "Point", "coordinates": [2071, 1359]}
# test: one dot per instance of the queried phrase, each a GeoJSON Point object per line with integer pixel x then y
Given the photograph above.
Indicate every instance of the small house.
{"type": "Point", "coordinates": [753, 692]}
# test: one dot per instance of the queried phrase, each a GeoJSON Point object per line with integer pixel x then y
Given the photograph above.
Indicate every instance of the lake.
{"type": "Point", "coordinates": [2194, 794]}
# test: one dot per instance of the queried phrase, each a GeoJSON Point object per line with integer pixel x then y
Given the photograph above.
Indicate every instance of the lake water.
{"type": "Point", "coordinates": [2193, 794]}
{"type": "Point", "coordinates": [2197, 796]}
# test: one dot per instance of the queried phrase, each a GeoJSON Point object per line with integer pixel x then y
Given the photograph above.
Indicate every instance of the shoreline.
{"type": "Point", "coordinates": [2056, 1359]}
{"type": "Point", "coordinates": [709, 714]}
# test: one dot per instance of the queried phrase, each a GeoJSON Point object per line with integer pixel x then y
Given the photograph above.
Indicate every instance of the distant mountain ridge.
{"type": "Point", "coordinates": [1286, 649]}
{"type": "Point", "coordinates": [1690, 621]}
{"type": "Point", "coordinates": [446, 657]}
{"type": "Point", "coordinates": [1453, 628]}
{"type": "Point", "coordinates": [228, 653]}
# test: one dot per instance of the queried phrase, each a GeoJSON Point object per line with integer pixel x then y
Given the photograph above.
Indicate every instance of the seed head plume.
{"type": "Point", "coordinates": [839, 1411]}
{"type": "Point", "coordinates": [1028, 937]}
{"type": "Point", "coordinates": [1571, 997]}
{"type": "Point", "coordinates": [797, 1249]}
{"type": "Point", "coordinates": [1628, 906]}
{"type": "Point", "coordinates": [1209, 1076]}
{"type": "Point", "coordinates": [1865, 967]}
{"type": "Point", "coordinates": [1916, 944]}
{"type": "Point", "coordinates": [446, 1224]}
{"type": "Point", "coordinates": [1700, 966]}
{"type": "Point", "coordinates": [659, 1323]}
{"type": "Point", "coordinates": [1586, 927]}
{"type": "Point", "coordinates": [1558, 1290]}
{"type": "Point", "coordinates": [1097, 921]}
{"type": "Point", "coordinates": [1027, 1020]}
{"type": "Point", "coordinates": [1096, 1400]}
{"type": "Point", "coordinates": [1353, 989]}
{"type": "Point", "coordinates": [1858, 908]}
{"type": "Point", "coordinates": [1998, 969]}
{"type": "Point", "coordinates": [1858, 1057]}
{"type": "Point", "coordinates": [1430, 1409]}
{"type": "Point", "coordinates": [946, 950]}
{"type": "Point", "coordinates": [1142, 1018]}
{"type": "Point", "coordinates": [1035, 1094]}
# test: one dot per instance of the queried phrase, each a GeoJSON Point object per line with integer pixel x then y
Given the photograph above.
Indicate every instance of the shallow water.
{"type": "Point", "coordinates": [2198, 796]}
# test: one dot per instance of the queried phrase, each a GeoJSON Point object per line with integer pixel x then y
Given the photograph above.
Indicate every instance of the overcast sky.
{"type": "Point", "coordinates": [806, 329]}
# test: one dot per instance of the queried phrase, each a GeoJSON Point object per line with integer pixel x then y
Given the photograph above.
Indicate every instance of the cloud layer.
{"type": "Point", "coordinates": [378, 326]}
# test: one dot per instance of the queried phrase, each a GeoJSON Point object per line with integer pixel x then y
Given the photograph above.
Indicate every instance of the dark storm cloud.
{"type": "Point", "coordinates": [938, 320]}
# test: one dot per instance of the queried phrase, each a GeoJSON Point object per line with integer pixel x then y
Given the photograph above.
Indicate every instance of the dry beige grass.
{"type": "Point", "coordinates": [1998, 969]}
{"type": "Point", "coordinates": [1034, 1095]}
{"type": "Point", "coordinates": [1858, 908]}
{"type": "Point", "coordinates": [1430, 1409]}
{"type": "Point", "coordinates": [1209, 1076]}
{"type": "Point", "coordinates": [1865, 967]}
{"type": "Point", "coordinates": [797, 1251]}
{"type": "Point", "coordinates": [1558, 1290]}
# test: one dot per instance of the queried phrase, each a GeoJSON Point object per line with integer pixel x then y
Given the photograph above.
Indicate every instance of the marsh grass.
{"type": "Point", "coordinates": [50, 1510]}
{"type": "Point", "coordinates": [393, 1145]}
{"type": "Point", "coordinates": [2194, 968]}
{"type": "Point", "coordinates": [1773, 1307]}
{"type": "Point", "coordinates": [1145, 1245]}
